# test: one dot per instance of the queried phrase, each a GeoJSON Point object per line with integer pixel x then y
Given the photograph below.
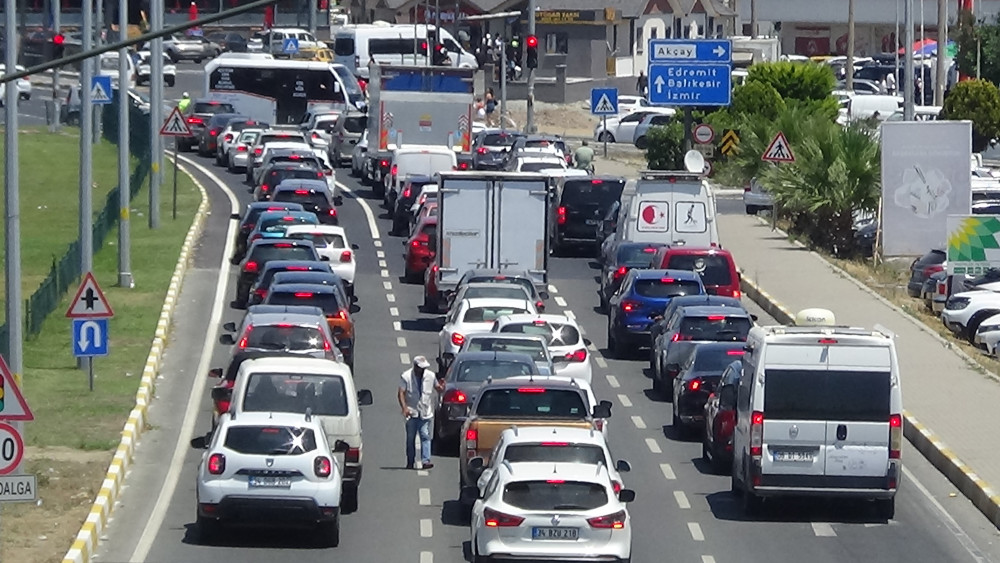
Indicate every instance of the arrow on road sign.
{"type": "Point", "coordinates": [720, 51]}
{"type": "Point", "coordinates": [89, 301]}
{"type": "Point", "coordinates": [175, 125]}
{"type": "Point", "coordinates": [778, 150]}
{"type": "Point", "coordinates": [730, 142]}
{"type": "Point", "coordinates": [659, 82]}
{"type": "Point", "coordinates": [87, 329]}
{"type": "Point", "coordinates": [90, 337]}
{"type": "Point", "coordinates": [18, 408]}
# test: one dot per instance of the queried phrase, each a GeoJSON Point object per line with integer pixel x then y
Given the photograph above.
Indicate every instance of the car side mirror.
{"type": "Point", "coordinates": [354, 246]}
{"type": "Point", "coordinates": [227, 339]}
{"type": "Point", "coordinates": [215, 372]}
{"type": "Point", "coordinates": [324, 258]}
{"type": "Point", "coordinates": [477, 464]}
{"type": "Point", "coordinates": [543, 294]}
{"type": "Point", "coordinates": [199, 442]}
{"type": "Point", "coordinates": [626, 495]}
{"type": "Point", "coordinates": [365, 397]}
{"type": "Point", "coordinates": [623, 466]}
{"type": "Point", "coordinates": [221, 393]}
{"type": "Point", "coordinates": [602, 410]}
{"type": "Point", "coordinates": [229, 327]}
{"type": "Point", "coordinates": [341, 447]}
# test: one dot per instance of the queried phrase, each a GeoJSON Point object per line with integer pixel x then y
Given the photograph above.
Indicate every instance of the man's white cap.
{"type": "Point", "coordinates": [421, 362]}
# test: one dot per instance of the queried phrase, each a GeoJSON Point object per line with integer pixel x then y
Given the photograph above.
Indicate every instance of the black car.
{"type": "Point", "coordinates": [690, 327]}
{"type": "Point", "coordinates": [401, 214]}
{"type": "Point", "coordinates": [197, 115]}
{"type": "Point", "coordinates": [229, 42]}
{"type": "Point", "coordinates": [266, 277]}
{"type": "Point", "coordinates": [314, 278]}
{"type": "Point", "coordinates": [312, 195]}
{"type": "Point", "coordinates": [261, 252]}
{"type": "Point", "coordinates": [922, 268]}
{"type": "Point", "coordinates": [279, 172]}
{"type": "Point", "coordinates": [490, 146]}
{"type": "Point", "coordinates": [698, 377]}
{"type": "Point", "coordinates": [706, 300]}
{"type": "Point", "coordinates": [208, 137]}
{"type": "Point", "coordinates": [249, 220]}
{"type": "Point", "coordinates": [543, 142]}
{"type": "Point", "coordinates": [580, 204]}
{"type": "Point", "coordinates": [628, 256]}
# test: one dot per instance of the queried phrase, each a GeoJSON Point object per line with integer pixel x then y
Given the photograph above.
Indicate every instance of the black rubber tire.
{"type": "Point", "coordinates": [619, 349]}
{"type": "Point", "coordinates": [751, 210]}
{"type": "Point", "coordinates": [170, 81]}
{"type": "Point", "coordinates": [208, 530]}
{"type": "Point", "coordinates": [641, 143]}
{"type": "Point", "coordinates": [329, 532]}
{"type": "Point", "coordinates": [886, 508]}
{"type": "Point", "coordinates": [606, 135]}
{"type": "Point", "coordinates": [349, 498]}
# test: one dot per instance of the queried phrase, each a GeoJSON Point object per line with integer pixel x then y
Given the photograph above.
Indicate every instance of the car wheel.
{"type": "Point", "coordinates": [975, 321]}
{"type": "Point", "coordinates": [658, 388]}
{"type": "Point", "coordinates": [329, 532]}
{"type": "Point", "coordinates": [641, 143]}
{"type": "Point", "coordinates": [170, 80]}
{"type": "Point", "coordinates": [734, 485]}
{"type": "Point", "coordinates": [349, 499]}
{"type": "Point", "coordinates": [197, 61]}
{"type": "Point", "coordinates": [886, 508]}
{"type": "Point", "coordinates": [752, 210]}
{"type": "Point", "coordinates": [705, 456]}
{"type": "Point", "coordinates": [173, 57]}
{"type": "Point", "coordinates": [717, 465]}
{"type": "Point", "coordinates": [619, 349]}
{"type": "Point", "coordinates": [476, 558]}
{"type": "Point", "coordinates": [208, 529]}
{"type": "Point", "coordinates": [606, 136]}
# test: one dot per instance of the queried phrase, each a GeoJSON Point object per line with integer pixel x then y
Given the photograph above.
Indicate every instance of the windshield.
{"type": "Point", "coordinates": [499, 139]}
{"type": "Point", "coordinates": [281, 392]}
{"type": "Point", "coordinates": [356, 124]}
{"type": "Point", "coordinates": [276, 177]}
{"type": "Point", "coordinates": [267, 252]}
{"type": "Point", "coordinates": [309, 199]}
{"type": "Point", "coordinates": [556, 452]}
{"type": "Point", "coordinates": [270, 440]}
{"type": "Point", "coordinates": [715, 327]}
{"type": "Point", "coordinates": [714, 268]}
{"type": "Point", "coordinates": [715, 359]}
{"type": "Point", "coordinates": [279, 224]}
{"type": "Point", "coordinates": [533, 402]}
{"type": "Point", "coordinates": [534, 348]}
{"type": "Point", "coordinates": [523, 282]}
{"type": "Point", "coordinates": [497, 291]}
{"type": "Point", "coordinates": [212, 107]}
{"type": "Point", "coordinates": [489, 314]}
{"type": "Point", "coordinates": [636, 255]}
{"type": "Point", "coordinates": [592, 192]}
{"type": "Point", "coordinates": [109, 62]}
{"type": "Point", "coordinates": [321, 240]}
{"type": "Point", "coordinates": [555, 495]}
{"type": "Point", "coordinates": [329, 302]}
{"type": "Point", "coordinates": [663, 289]}
{"type": "Point", "coordinates": [296, 338]}
{"type": "Point", "coordinates": [480, 370]}
{"type": "Point", "coordinates": [539, 166]}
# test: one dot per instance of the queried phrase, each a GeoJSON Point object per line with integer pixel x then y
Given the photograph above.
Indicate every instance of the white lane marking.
{"type": "Point", "coordinates": [599, 360]}
{"type": "Point", "coordinates": [404, 358]}
{"type": "Point", "coordinates": [397, 326]}
{"type": "Point", "coordinates": [181, 448]}
{"type": "Point", "coordinates": [380, 254]}
{"type": "Point", "coordinates": [593, 348]}
{"type": "Point", "coordinates": [428, 557]}
{"type": "Point", "coordinates": [560, 301]}
{"type": "Point", "coordinates": [378, 244]}
{"type": "Point", "coordinates": [390, 298]}
{"type": "Point", "coordinates": [552, 289]}
{"type": "Point", "coordinates": [387, 284]}
{"type": "Point", "coordinates": [395, 312]}
{"type": "Point", "coordinates": [401, 341]}
{"type": "Point", "coordinates": [682, 500]}
{"type": "Point", "coordinates": [612, 381]}
{"type": "Point", "coordinates": [707, 559]}
{"type": "Point", "coordinates": [571, 316]}
{"type": "Point", "coordinates": [426, 528]}
{"type": "Point", "coordinates": [382, 264]}
{"type": "Point", "coordinates": [624, 400]}
{"type": "Point", "coordinates": [653, 446]}
{"type": "Point", "coordinates": [639, 422]}
{"type": "Point", "coordinates": [384, 273]}
{"type": "Point", "coordinates": [949, 521]}
{"type": "Point", "coordinates": [668, 472]}
{"type": "Point", "coordinates": [696, 533]}
{"type": "Point", "coordinates": [425, 497]}
{"type": "Point", "coordinates": [823, 530]}
{"type": "Point", "coordinates": [372, 225]}
{"type": "Point", "coordinates": [423, 472]}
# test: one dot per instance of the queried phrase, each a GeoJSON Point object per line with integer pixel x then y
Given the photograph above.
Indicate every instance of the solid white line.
{"type": "Point", "coordinates": [382, 264]}
{"type": "Point", "coordinates": [372, 225]}
{"type": "Point", "coordinates": [384, 273]}
{"type": "Point", "coordinates": [823, 530]}
{"type": "Point", "coordinates": [181, 448]}
{"type": "Point", "coordinates": [428, 557]}
{"type": "Point", "coordinates": [682, 500]}
{"type": "Point", "coordinates": [380, 254]}
{"type": "Point", "coordinates": [425, 497]}
{"type": "Point", "coordinates": [696, 533]}
{"type": "Point", "coordinates": [397, 326]}
{"type": "Point", "coordinates": [560, 301]}
{"type": "Point", "coordinates": [639, 422]}
{"type": "Point", "coordinates": [426, 528]}
{"type": "Point", "coordinates": [624, 400]}
{"type": "Point", "coordinates": [707, 559]}
{"type": "Point", "coordinates": [653, 445]}
{"type": "Point", "coordinates": [404, 358]}
{"type": "Point", "coordinates": [948, 521]}
{"type": "Point", "coordinates": [612, 381]}
{"type": "Point", "coordinates": [668, 472]}
{"type": "Point", "coordinates": [390, 298]}
{"type": "Point", "coordinates": [395, 312]}
{"type": "Point", "coordinates": [387, 285]}
{"type": "Point", "coordinates": [599, 360]}
{"type": "Point", "coordinates": [401, 341]}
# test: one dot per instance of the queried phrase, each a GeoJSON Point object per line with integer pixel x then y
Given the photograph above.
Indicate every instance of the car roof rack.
{"type": "Point", "coordinates": [668, 174]}
{"type": "Point", "coordinates": [879, 330]}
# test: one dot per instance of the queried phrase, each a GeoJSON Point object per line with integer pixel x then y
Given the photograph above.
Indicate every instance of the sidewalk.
{"type": "Point", "coordinates": [956, 404]}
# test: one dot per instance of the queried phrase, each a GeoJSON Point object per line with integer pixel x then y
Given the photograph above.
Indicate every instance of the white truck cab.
{"type": "Point", "coordinates": [818, 413]}
{"type": "Point", "coordinates": [669, 207]}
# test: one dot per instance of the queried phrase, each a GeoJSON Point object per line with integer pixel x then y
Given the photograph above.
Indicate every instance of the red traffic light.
{"type": "Point", "coordinates": [58, 39]}
{"type": "Point", "coordinates": [531, 42]}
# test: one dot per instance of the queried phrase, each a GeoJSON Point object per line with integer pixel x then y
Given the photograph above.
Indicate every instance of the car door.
{"type": "Point", "coordinates": [626, 126]}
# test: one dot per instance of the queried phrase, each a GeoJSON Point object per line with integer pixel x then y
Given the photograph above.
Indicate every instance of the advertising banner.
{"type": "Point", "coordinates": [973, 244]}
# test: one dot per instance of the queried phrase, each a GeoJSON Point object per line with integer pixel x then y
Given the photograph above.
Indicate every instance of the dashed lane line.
{"type": "Point", "coordinates": [383, 264]}
{"type": "Point", "coordinates": [613, 381]}
{"type": "Point", "coordinates": [384, 273]}
{"type": "Point", "coordinates": [378, 243]}
{"type": "Point", "coordinates": [552, 289]}
{"type": "Point", "coordinates": [653, 445]}
{"type": "Point", "coordinates": [380, 254]}
{"type": "Point", "coordinates": [823, 530]}
{"type": "Point", "coordinates": [682, 500]}
{"type": "Point", "coordinates": [560, 301]}
{"type": "Point", "coordinates": [391, 298]}
{"type": "Point", "coordinates": [401, 341]}
{"type": "Point", "coordinates": [707, 559]}
{"type": "Point", "coordinates": [397, 326]}
{"type": "Point", "coordinates": [395, 312]}
{"type": "Point", "coordinates": [600, 362]}
{"type": "Point", "coordinates": [572, 316]}
{"type": "Point", "coordinates": [387, 284]}
{"type": "Point", "coordinates": [696, 533]}
{"type": "Point", "coordinates": [668, 472]}
{"type": "Point", "coordinates": [404, 358]}
{"type": "Point", "coordinates": [425, 497]}
{"type": "Point", "coordinates": [426, 528]}
{"type": "Point", "coordinates": [624, 400]}
{"type": "Point", "coordinates": [428, 557]}
{"type": "Point", "coordinates": [639, 422]}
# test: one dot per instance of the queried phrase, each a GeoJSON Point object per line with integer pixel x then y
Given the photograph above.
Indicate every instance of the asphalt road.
{"type": "Point", "coordinates": [683, 513]}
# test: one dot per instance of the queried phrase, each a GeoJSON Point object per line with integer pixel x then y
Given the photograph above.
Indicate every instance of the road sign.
{"type": "Point", "coordinates": [707, 151]}
{"type": "Point", "coordinates": [730, 141]}
{"type": "Point", "coordinates": [18, 488]}
{"type": "Point", "coordinates": [89, 302]}
{"type": "Point", "coordinates": [90, 337]}
{"type": "Point", "coordinates": [175, 125]}
{"type": "Point", "coordinates": [12, 403]}
{"type": "Point", "coordinates": [703, 134]}
{"type": "Point", "coordinates": [604, 101]}
{"type": "Point", "coordinates": [680, 84]}
{"type": "Point", "coordinates": [778, 150]}
{"type": "Point", "coordinates": [691, 50]}
{"type": "Point", "coordinates": [290, 46]}
{"type": "Point", "coordinates": [100, 90]}
{"type": "Point", "coordinates": [11, 448]}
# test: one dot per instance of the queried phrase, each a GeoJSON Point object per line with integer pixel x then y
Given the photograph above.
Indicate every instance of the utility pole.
{"type": "Point", "coordinates": [86, 205]}
{"type": "Point", "coordinates": [849, 68]}
{"type": "Point", "coordinates": [503, 84]}
{"type": "Point", "coordinates": [941, 79]}
{"type": "Point", "coordinates": [923, 86]}
{"type": "Point", "coordinates": [56, 94]}
{"type": "Point", "coordinates": [312, 17]}
{"type": "Point", "coordinates": [908, 61]}
{"type": "Point", "coordinates": [529, 122]}
{"type": "Point", "coordinates": [124, 188]}
{"type": "Point", "coordinates": [753, 19]}
{"type": "Point", "coordinates": [99, 110]}
{"type": "Point", "coordinates": [12, 201]}
{"type": "Point", "coordinates": [156, 113]}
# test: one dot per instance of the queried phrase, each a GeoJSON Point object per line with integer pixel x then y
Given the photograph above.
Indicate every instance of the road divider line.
{"type": "Point", "coordinates": [552, 289]}
{"type": "Point", "coordinates": [571, 316]}
{"type": "Point", "coordinates": [948, 520]}
{"type": "Point", "coordinates": [613, 381]}
{"type": "Point", "coordinates": [425, 497]}
{"type": "Point", "coordinates": [696, 533]}
{"type": "Point", "coordinates": [668, 472]}
{"type": "Point", "coordinates": [382, 264]}
{"type": "Point", "coordinates": [426, 557]}
{"type": "Point", "coordinates": [380, 254]}
{"type": "Point", "coordinates": [423, 472]}
{"type": "Point", "coordinates": [653, 445]}
{"type": "Point", "coordinates": [426, 528]}
{"type": "Point", "coordinates": [404, 358]}
{"type": "Point", "coordinates": [624, 400]}
{"type": "Point", "coordinates": [372, 225]}
{"type": "Point", "coordinates": [395, 312]}
{"type": "Point", "coordinates": [397, 326]}
{"type": "Point", "coordinates": [387, 284]}
{"type": "Point", "coordinates": [682, 500]}
{"type": "Point", "coordinates": [378, 243]}
{"type": "Point", "coordinates": [823, 530]}
{"type": "Point", "coordinates": [639, 422]}
{"type": "Point", "coordinates": [401, 341]}
{"type": "Point", "coordinates": [384, 273]}
{"type": "Point", "coordinates": [599, 360]}
{"type": "Point", "coordinates": [390, 297]}
{"type": "Point", "coordinates": [707, 559]}
{"type": "Point", "coordinates": [560, 301]}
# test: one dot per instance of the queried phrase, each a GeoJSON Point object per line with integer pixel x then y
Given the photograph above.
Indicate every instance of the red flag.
{"type": "Point", "coordinates": [269, 17]}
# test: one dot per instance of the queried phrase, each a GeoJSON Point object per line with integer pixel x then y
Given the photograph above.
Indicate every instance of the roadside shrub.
{"type": "Point", "coordinates": [665, 149]}
{"type": "Point", "coordinates": [756, 133]}
{"type": "Point", "coordinates": [979, 102]}
{"type": "Point", "coordinates": [757, 98]}
{"type": "Point", "coordinates": [795, 80]}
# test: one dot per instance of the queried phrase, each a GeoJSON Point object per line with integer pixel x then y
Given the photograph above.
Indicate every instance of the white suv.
{"type": "Point", "coordinates": [565, 341]}
{"type": "Point", "coordinates": [268, 469]}
{"type": "Point", "coordinates": [964, 312]}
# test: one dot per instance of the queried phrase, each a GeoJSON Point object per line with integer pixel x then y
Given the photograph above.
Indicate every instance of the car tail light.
{"type": "Point", "coordinates": [457, 339]}
{"type": "Point", "coordinates": [251, 266]}
{"type": "Point", "coordinates": [212, 132]}
{"type": "Point", "coordinates": [395, 169]}
{"type": "Point", "coordinates": [471, 438]}
{"type": "Point", "coordinates": [463, 165]}
{"type": "Point", "coordinates": [530, 389]}
{"type": "Point", "coordinates": [228, 138]}
{"type": "Point", "coordinates": [320, 174]}
{"type": "Point", "coordinates": [942, 288]}
{"type": "Point", "coordinates": [384, 163]}
{"type": "Point", "coordinates": [746, 188]}
{"type": "Point", "coordinates": [258, 151]}
{"type": "Point", "coordinates": [667, 280]}
{"type": "Point", "coordinates": [345, 256]}
{"type": "Point", "coordinates": [322, 466]}
{"type": "Point", "coordinates": [599, 424]}
{"type": "Point", "coordinates": [735, 352]}
{"type": "Point", "coordinates": [561, 215]}
{"type": "Point", "coordinates": [895, 436]}
{"type": "Point", "coordinates": [620, 272]}
{"type": "Point", "coordinates": [303, 294]}
{"type": "Point", "coordinates": [933, 269]}
{"type": "Point", "coordinates": [677, 337]}
{"type": "Point", "coordinates": [616, 486]}
{"type": "Point", "coordinates": [496, 519]}
{"type": "Point", "coordinates": [195, 121]}
{"type": "Point", "coordinates": [245, 338]}
{"type": "Point", "coordinates": [628, 306]}
{"type": "Point", "coordinates": [326, 345]}
{"type": "Point", "coordinates": [694, 385]}
{"type": "Point", "coordinates": [282, 245]}
{"type": "Point", "coordinates": [261, 292]}
{"type": "Point", "coordinates": [716, 317]}
{"type": "Point", "coordinates": [577, 355]}
{"type": "Point", "coordinates": [756, 433]}
{"type": "Point", "coordinates": [315, 135]}
{"type": "Point", "coordinates": [216, 464]}
{"type": "Point", "coordinates": [353, 455]}
{"type": "Point", "coordinates": [614, 521]}
{"type": "Point", "coordinates": [455, 396]}
{"type": "Point", "coordinates": [241, 148]}
{"type": "Point", "coordinates": [223, 406]}
{"type": "Point", "coordinates": [407, 193]}
{"type": "Point", "coordinates": [301, 192]}
{"type": "Point", "coordinates": [827, 340]}
{"type": "Point", "coordinates": [482, 150]}
{"type": "Point", "coordinates": [342, 315]}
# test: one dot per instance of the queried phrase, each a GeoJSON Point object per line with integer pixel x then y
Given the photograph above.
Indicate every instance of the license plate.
{"type": "Point", "coordinates": [555, 533]}
{"type": "Point", "coordinates": [259, 482]}
{"type": "Point", "coordinates": [794, 456]}
{"type": "Point", "coordinates": [591, 221]}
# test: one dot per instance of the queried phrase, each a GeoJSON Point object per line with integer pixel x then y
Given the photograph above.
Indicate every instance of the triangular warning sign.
{"type": "Point", "coordinates": [604, 105]}
{"type": "Point", "coordinates": [89, 301]}
{"type": "Point", "coordinates": [12, 403]}
{"type": "Point", "coordinates": [778, 150]}
{"type": "Point", "coordinates": [98, 95]}
{"type": "Point", "coordinates": [175, 125]}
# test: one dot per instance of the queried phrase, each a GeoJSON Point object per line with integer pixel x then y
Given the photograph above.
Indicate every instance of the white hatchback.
{"type": "Point", "coordinates": [332, 245]}
{"type": "Point", "coordinates": [475, 315]}
{"type": "Point", "coordinates": [565, 341]}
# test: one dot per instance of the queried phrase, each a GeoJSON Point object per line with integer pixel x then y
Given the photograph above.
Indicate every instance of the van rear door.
{"type": "Point", "coordinates": [464, 212]}
{"type": "Point", "coordinates": [522, 225]}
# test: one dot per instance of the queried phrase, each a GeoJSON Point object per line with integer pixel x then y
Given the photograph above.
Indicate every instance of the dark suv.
{"type": "Point", "coordinates": [313, 195]}
{"type": "Point", "coordinates": [922, 268]}
{"type": "Point", "coordinates": [208, 138]}
{"type": "Point", "coordinates": [580, 204]}
{"type": "Point", "coordinates": [489, 148]}
{"type": "Point", "coordinates": [197, 116]}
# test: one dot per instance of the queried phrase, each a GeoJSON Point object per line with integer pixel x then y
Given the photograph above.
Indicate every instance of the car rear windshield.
{"type": "Point", "coordinates": [715, 327]}
{"type": "Point", "coordinates": [497, 291]}
{"type": "Point", "coordinates": [499, 140]}
{"type": "Point", "coordinates": [343, 46]}
{"type": "Point", "coordinates": [556, 452]}
{"type": "Point", "coordinates": [279, 224]}
{"type": "Point", "coordinates": [714, 268]}
{"type": "Point", "coordinates": [296, 159]}
{"type": "Point", "coordinates": [480, 370]}
{"type": "Point", "coordinates": [309, 199]}
{"type": "Point", "coordinates": [329, 302]}
{"type": "Point", "coordinates": [633, 254]}
{"type": "Point", "coordinates": [285, 337]}
{"type": "Point", "coordinates": [539, 166]}
{"type": "Point", "coordinates": [283, 137]}
{"type": "Point", "coordinates": [798, 394]}
{"type": "Point", "coordinates": [592, 192]}
{"type": "Point", "coordinates": [661, 289]}
{"type": "Point", "coordinates": [296, 392]}
{"type": "Point", "coordinates": [534, 348]}
{"type": "Point", "coordinates": [278, 176]}
{"type": "Point", "coordinates": [557, 334]}
{"type": "Point", "coordinates": [270, 440]}
{"type": "Point", "coordinates": [715, 359]}
{"type": "Point", "coordinates": [489, 314]}
{"type": "Point", "coordinates": [321, 240]}
{"type": "Point", "coordinates": [525, 282]}
{"type": "Point", "coordinates": [533, 402]}
{"type": "Point", "coordinates": [268, 252]}
{"type": "Point", "coordinates": [356, 123]}
{"type": "Point", "coordinates": [212, 107]}
{"type": "Point", "coordinates": [249, 137]}
{"type": "Point", "coordinates": [555, 494]}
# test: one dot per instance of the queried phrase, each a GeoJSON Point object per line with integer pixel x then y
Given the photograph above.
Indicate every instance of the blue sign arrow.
{"type": "Point", "coordinates": [604, 101]}
{"type": "Point", "coordinates": [690, 51]}
{"type": "Point", "coordinates": [690, 84]}
{"type": "Point", "coordinates": [290, 46]}
{"type": "Point", "coordinates": [90, 337]}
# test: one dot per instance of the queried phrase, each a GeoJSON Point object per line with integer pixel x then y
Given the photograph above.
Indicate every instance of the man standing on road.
{"type": "Point", "coordinates": [642, 84]}
{"type": "Point", "coordinates": [584, 157]}
{"type": "Point", "coordinates": [417, 395]}
{"type": "Point", "coordinates": [184, 103]}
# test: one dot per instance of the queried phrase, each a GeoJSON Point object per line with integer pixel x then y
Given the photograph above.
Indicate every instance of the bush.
{"type": "Point", "coordinates": [795, 81]}
{"type": "Point", "coordinates": [757, 98]}
{"type": "Point", "coordinates": [979, 102]}
{"type": "Point", "coordinates": [665, 150]}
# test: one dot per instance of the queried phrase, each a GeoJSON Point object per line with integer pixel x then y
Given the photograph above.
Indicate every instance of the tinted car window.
{"type": "Point", "coordinates": [284, 337]}
{"type": "Point", "coordinates": [211, 107]}
{"type": "Point", "coordinates": [538, 166]}
{"type": "Point", "coordinates": [280, 392]}
{"type": "Point", "coordinates": [552, 495]}
{"type": "Point", "coordinates": [489, 314]}
{"type": "Point", "coordinates": [593, 192]}
{"type": "Point", "coordinates": [826, 395]}
{"type": "Point", "coordinates": [270, 440]}
{"type": "Point", "coordinates": [498, 139]}
{"type": "Point", "coordinates": [570, 453]}
{"type": "Point", "coordinates": [714, 359]}
{"type": "Point", "coordinates": [659, 288]}
{"type": "Point", "coordinates": [265, 253]}
{"type": "Point", "coordinates": [275, 177]}
{"type": "Point", "coordinates": [356, 123]}
{"type": "Point", "coordinates": [308, 200]}
{"type": "Point", "coordinates": [715, 328]}
{"type": "Point", "coordinates": [343, 46]}
{"type": "Point", "coordinates": [528, 285]}
{"type": "Point", "coordinates": [716, 268]}
{"type": "Point", "coordinates": [329, 302]}
{"type": "Point", "coordinates": [532, 402]}
{"type": "Point", "coordinates": [276, 224]}
{"type": "Point", "coordinates": [633, 254]}
{"type": "Point", "coordinates": [479, 370]}
{"type": "Point", "coordinates": [296, 159]}
{"type": "Point", "coordinates": [533, 348]}
{"type": "Point", "coordinates": [498, 291]}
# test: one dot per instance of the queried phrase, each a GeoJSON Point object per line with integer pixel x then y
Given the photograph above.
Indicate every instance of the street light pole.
{"type": "Point", "coordinates": [849, 68]}
{"type": "Point", "coordinates": [908, 61]}
{"type": "Point", "coordinates": [56, 95]}
{"type": "Point", "coordinates": [941, 79]}
{"type": "Point", "coordinates": [124, 188]}
{"type": "Point", "coordinates": [12, 201]}
{"type": "Point", "coordinates": [529, 125]}
{"type": "Point", "coordinates": [155, 114]}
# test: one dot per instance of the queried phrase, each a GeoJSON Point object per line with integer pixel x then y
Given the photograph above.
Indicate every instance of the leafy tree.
{"type": "Point", "coordinates": [795, 80]}
{"type": "Point", "coordinates": [978, 46]}
{"type": "Point", "coordinates": [665, 148]}
{"type": "Point", "coordinates": [757, 97]}
{"type": "Point", "coordinates": [979, 102]}
{"type": "Point", "coordinates": [756, 133]}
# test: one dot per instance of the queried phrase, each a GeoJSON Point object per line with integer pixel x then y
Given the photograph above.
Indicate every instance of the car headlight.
{"type": "Point", "coordinates": [956, 303]}
{"type": "Point", "coordinates": [988, 328]}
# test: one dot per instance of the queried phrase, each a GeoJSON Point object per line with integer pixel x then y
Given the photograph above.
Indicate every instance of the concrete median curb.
{"type": "Point", "coordinates": [85, 544]}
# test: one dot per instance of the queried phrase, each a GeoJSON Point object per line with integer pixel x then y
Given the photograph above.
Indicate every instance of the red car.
{"type": "Point", "coordinates": [222, 393]}
{"type": "Point", "coordinates": [716, 266]}
{"type": "Point", "coordinates": [720, 420]}
{"type": "Point", "coordinates": [421, 248]}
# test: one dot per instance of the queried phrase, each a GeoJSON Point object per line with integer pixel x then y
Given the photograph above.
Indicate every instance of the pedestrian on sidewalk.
{"type": "Point", "coordinates": [642, 84]}
{"type": "Point", "coordinates": [490, 106]}
{"type": "Point", "coordinates": [418, 393]}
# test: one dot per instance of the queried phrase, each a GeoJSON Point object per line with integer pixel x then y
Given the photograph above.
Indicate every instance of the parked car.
{"type": "Point", "coordinates": [229, 42]}
{"type": "Point", "coordinates": [190, 48]}
{"type": "Point", "coordinates": [642, 129]}
{"type": "Point", "coordinates": [621, 129]}
{"type": "Point", "coordinates": [756, 198]}
{"type": "Point", "coordinates": [922, 268]}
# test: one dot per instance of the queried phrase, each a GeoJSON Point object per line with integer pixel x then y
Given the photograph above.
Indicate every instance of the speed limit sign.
{"type": "Point", "coordinates": [11, 448]}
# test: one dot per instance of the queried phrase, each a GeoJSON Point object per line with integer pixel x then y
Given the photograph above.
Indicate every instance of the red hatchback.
{"type": "Point", "coordinates": [720, 420]}
{"type": "Point", "coordinates": [716, 266]}
{"type": "Point", "coordinates": [421, 248]}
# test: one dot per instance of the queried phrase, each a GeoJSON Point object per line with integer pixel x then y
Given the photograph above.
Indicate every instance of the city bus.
{"type": "Point", "coordinates": [280, 92]}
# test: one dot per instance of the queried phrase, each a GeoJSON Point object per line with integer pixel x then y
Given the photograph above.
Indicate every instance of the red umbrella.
{"type": "Point", "coordinates": [193, 11]}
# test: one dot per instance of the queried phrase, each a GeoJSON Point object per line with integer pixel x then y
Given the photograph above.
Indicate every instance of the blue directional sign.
{"type": "Point", "coordinates": [90, 337]}
{"type": "Point", "coordinates": [290, 46]}
{"type": "Point", "coordinates": [100, 90]}
{"type": "Point", "coordinates": [604, 101]}
{"type": "Point", "coordinates": [690, 72]}
{"type": "Point", "coordinates": [691, 50]}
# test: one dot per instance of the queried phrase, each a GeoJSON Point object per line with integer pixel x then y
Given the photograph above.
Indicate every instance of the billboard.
{"type": "Point", "coordinates": [926, 176]}
{"type": "Point", "coordinates": [973, 244]}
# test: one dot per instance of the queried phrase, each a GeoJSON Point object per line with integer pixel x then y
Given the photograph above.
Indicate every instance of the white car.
{"type": "Point", "coordinates": [537, 163]}
{"type": "Point", "coordinates": [144, 67]}
{"type": "Point", "coordinates": [622, 128]}
{"type": "Point", "coordinates": [332, 245]}
{"type": "Point", "coordinates": [276, 466]}
{"type": "Point", "coordinates": [239, 152]}
{"type": "Point", "coordinates": [427, 191]}
{"type": "Point", "coordinates": [756, 198]}
{"type": "Point", "coordinates": [229, 136]}
{"type": "Point", "coordinates": [964, 312]}
{"type": "Point", "coordinates": [358, 154]}
{"type": "Point", "coordinates": [269, 151]}
{"type": "Point", "coordinates": [23, 84]}
{"type": "Point", "coordinates": [988, 335]}
{"type": "Point", "coordinates": [565, 341]}
{"type": "Point", "coordinates": [475, 315]}
{"type": "Point", "coordinates": [551, 511]}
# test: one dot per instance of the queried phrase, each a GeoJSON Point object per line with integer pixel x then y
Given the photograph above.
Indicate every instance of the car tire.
{"type": "Point", "coordinates": [658, 389]}
{"type": "Point", "coordinates": [641, 143]}
{"type": "Point", "coordinates": [197, 61]}
{"type": "Point", "coordinates": [329, 532]}
{"type": "Point", "coordinates": [170, 80]}
{"type": "Point", "coordinates": [886, 508]}
{"type": "Point", "coordinates": [349, 498]}
{"type": "Point", "coordinates": [618, 348]}
{"type": "Point", "coordinates": [752, 210]}
{"type": "Point", "coordinates": [734, 485]}
{"type": "Point", "coordinates": [476, 558]}
{"type": "Point", "coordinates": [208, 530]}
{"type": "Point", "coordinates": [606, 136]}
{"type": "Point", "coordinates": [973, 327]}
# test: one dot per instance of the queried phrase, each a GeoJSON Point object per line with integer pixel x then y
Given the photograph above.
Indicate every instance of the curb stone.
{"type": "Point", "coordinates": [85, 543]}
{"type": "Point", "coordinates": [982, 495]}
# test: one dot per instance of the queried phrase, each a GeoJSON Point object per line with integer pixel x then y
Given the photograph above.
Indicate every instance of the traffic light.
{"type": "Point", "coordinates": [531, 46]}
{"type": "Point", "coordinates": [55, 47]}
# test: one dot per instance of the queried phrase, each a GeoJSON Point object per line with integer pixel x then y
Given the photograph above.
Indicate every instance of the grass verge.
{"type": "Point", "coordinates": [72, 439]}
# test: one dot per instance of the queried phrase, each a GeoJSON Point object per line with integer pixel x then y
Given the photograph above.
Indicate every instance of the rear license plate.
{"type": "Point", "coordinates": [794, 456]}
{"type": "Point", "coordinates": [591, 221]}
{"type": "Point", "coordinates": [555, 533]}
{"type": "Point", "coordinates": [259, 482]}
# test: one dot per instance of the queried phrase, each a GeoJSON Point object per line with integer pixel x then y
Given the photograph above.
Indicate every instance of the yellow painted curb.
{"type": "Point", "coordinates": [85, 544]}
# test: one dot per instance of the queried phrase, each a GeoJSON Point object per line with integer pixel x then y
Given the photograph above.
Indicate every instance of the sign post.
{"type": "Point", "coordinates": [13, 407]}
{"type": "Point", "coordinates": [176, 126]}
{"type": "Point", "coordinates": [604, 102]}
{"type": "Point", "coordinates": [90, 312]}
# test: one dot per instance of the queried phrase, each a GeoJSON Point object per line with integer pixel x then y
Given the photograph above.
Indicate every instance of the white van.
{"type": "Point", "coordinates": [355, 46]}
{"type": "Point", "coordinates": [417, 160]}
{"type": "Point", "coordinates": [867, 106]}
{"type": "Point", "coordinates": [818, 413]}
{"type": "Point", "coordinates": [669, 207]}
{"type": "Point", "coordinates": [108, 66]}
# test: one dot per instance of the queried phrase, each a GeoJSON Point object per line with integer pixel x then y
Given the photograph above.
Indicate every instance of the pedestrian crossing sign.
{"type": "Point", "coordinates": [778, 150]}
{"type": "Point", "coordinates": [100, 90]}
{"type": "Point", "coordinates": [604, 101]}
{"type": "Point", "coordinates": [290, 46]}
{"type": "Point", "coordinates": [175, 125]}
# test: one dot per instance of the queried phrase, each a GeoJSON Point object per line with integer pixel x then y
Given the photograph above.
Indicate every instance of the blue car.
{"type": "Point", "coordinates": [642, 296]}
{"type": "Point", "coordinates": [272, 224]}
